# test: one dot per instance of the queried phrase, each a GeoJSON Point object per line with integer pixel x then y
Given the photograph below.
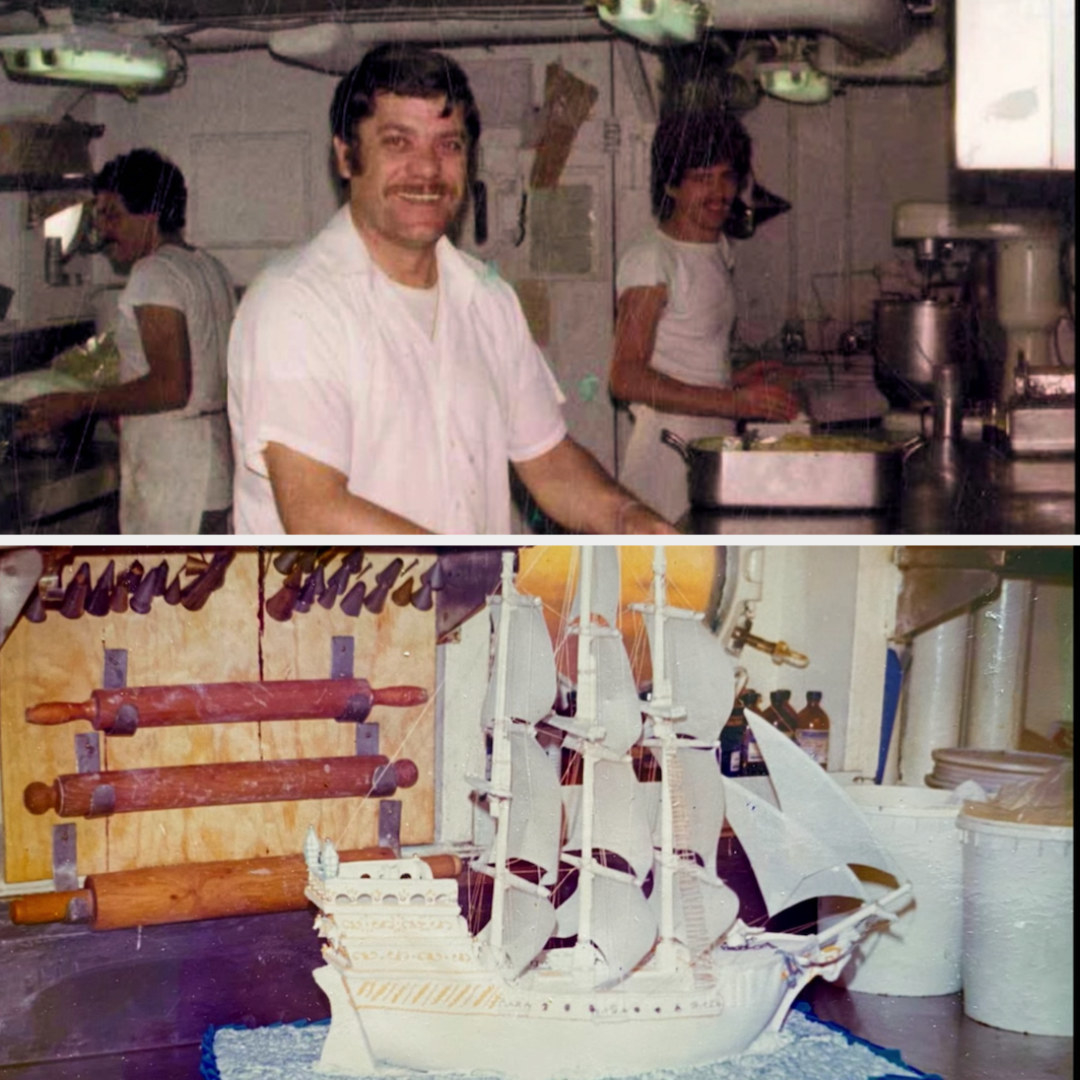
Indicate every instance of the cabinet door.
{"type": "Point", "coordinates": [1015, 78]}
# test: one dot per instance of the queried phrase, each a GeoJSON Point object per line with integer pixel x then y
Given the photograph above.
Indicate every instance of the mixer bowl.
{"type": "Point", "coordinates": [912, 339]}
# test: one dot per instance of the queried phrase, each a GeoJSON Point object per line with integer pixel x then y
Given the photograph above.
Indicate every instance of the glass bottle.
{"type": "Point", "coordinates": [780, 713]}
{"type": "Point", "coordinates": [732, 740]}
{"type": "Point", "coordinates": [753, 764]}
{"type": "Point", "coordinates": [812, 733]}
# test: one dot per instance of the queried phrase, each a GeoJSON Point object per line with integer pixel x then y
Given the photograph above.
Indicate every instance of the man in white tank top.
{"type": "Point", "coordinates": [676, 309]}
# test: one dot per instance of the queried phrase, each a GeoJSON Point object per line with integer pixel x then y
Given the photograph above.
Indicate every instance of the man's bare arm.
{"type": "Point", "coordinates": [633, 380]}
{"type": "Point", "coordinates": [313, 497]}
{"type": "Point", "coordinates": [570, 487]}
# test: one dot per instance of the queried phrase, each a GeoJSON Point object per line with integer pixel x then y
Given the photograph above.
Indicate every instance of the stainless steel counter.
{"type": "Point", "coordinates": [49, 495]}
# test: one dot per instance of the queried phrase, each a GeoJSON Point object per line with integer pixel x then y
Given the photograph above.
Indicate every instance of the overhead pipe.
{"type": "Point", "coordinates": [876, 28]}
{"type": "Point", "coordinates": [997, 687]}
{"type": "Point", "coordinates": [934, 696]}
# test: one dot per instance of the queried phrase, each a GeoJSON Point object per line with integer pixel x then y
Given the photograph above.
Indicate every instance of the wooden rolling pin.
{"type": "Point", "coordinates": [172, 787]}
{"type": "Point", "coordinates": [214, 890]}
{"type": "Point", "coordinates": [225, 703]}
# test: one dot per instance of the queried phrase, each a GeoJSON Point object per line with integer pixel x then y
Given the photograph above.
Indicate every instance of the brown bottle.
{"type": "Point", "coordinates": [780, 713]}
{"type": "Point", "coordinates": [812, 733]}
{"type": "Point", "coordinates": [753, 764]}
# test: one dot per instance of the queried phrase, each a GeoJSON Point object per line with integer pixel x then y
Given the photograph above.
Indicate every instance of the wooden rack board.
{"type": "Point", "coordinates": [227, 640]}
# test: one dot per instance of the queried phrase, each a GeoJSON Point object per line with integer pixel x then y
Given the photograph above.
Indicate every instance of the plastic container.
{"type": "Point", "coordinates": [919, 955]}
{"type": "Point", "coordinates": [1017, 957]}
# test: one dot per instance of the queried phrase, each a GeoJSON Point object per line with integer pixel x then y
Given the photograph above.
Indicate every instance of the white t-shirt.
{"type": "Point", "coordinates": [693, 345]}
{"type": "Point", "coordinates": [326, 359]}
{"type": "Point", "coordinates": [175, 465]}
{"type": "Point", "coordinates": [693, 339]}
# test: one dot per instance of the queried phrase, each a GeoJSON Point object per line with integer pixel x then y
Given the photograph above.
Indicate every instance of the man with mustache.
{"type": "Point", "coordinates": [676, 310]}
{"type": "Point", "coordinates": [381, 381]}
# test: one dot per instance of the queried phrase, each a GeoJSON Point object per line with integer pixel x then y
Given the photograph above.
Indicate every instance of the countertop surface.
{"type": "Point", "coordinates": [37, 489]}
{"type": "Point", "coordinates": [963, 488]}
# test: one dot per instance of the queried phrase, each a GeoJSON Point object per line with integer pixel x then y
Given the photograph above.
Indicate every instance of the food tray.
{"type": "Point", "coordinates": [800, 480]}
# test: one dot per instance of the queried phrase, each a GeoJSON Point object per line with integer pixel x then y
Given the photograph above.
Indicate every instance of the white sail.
{"type": "Point", "coordinates": [530, 662]}
{"type": "Point", "coordinates": [701, 674]}
{"type": "Point", "coordinates": [790, 863]}
{"type": "Point", "coordinates": [621, 822]}
{"type": "Point", "coordinates": [567, 916]}
{"type": "Point", "coordinates": [529, 921]}
{"type": "Point", "coordinates": [717, 904]}
{"type": "Point", "coordinates": [703, 798]}
{"type": "Point", "coordinates": [605, 586]}
{"type": "Point", "coordinates": [823, 807]}
{"type": "Point", "coordinates": [627, 931]}
{"type": "Point", "coordinates": [618, 708]}
{"type": "Point", "coordinates": [536, 802]}
{"type": "Point", "coordinates": [626, 812]}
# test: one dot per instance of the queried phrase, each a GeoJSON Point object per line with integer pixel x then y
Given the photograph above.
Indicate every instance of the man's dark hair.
{"type": "Point", "coordinates": [147, 183]}
{"type": "Point", "coordinates": [695, 139]}
{"type": "Point", "coordinates": [410, 71]}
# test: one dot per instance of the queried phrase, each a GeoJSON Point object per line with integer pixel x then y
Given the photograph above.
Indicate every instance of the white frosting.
{"type": "Point", "coordinates": [803, 1048]}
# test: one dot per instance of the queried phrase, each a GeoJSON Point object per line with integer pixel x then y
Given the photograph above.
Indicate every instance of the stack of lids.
{"type": "Point", "coordinates": [990, 769]}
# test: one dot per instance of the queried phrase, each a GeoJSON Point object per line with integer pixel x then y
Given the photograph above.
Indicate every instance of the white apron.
{"type": "Point", "coordinates": [172, 469]}
{"type": "Point", "coordinates": [655, 472]}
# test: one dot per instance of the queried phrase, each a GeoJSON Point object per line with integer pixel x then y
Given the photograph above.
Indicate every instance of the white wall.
{"type": "Point", "coordinates": [251, 135]}
{"type": "Point", "coordinates": [837, 606]}
{"type": "Point", "coordinates": [1050, 673]}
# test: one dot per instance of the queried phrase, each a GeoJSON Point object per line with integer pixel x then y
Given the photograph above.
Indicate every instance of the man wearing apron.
{"type": "Point", "coordinates": [172, 333]}
{"type": "Point", "coordinates": [676, 310]}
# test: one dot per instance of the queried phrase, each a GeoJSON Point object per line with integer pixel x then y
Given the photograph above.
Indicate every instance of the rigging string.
{"type": "Point", "coordinates": [693, 906]}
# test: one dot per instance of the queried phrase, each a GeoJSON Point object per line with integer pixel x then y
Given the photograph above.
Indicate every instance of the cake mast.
{"type": "Point", "coordinates": [649, 933]}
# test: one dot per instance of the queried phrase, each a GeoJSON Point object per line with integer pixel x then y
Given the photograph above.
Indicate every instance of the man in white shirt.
{"type": "Point", "coordinates": [380, 381]}
{"type": "Point", "coordinates": [676, 310]}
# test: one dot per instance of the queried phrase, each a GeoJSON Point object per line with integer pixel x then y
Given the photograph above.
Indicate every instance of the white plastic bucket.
{"type": "Point", "coordinates": [1017, 961]}
{"type": "Point", "coordinates": [918, 955]}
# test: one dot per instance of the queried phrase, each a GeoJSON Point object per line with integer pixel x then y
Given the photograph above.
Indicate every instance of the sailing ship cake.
{"type": "Point", "coordinates": [644, 963]}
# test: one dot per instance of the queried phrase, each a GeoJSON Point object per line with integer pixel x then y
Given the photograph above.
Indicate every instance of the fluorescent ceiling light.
{"type": "Point", "coordinates": [796, 82]}
{"type": "Point", "coordinates": [91, 57]}
{"type": "Point", "coordinates": [655, 22]}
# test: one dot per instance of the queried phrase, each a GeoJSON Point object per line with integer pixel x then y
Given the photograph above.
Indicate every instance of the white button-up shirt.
{"type": "Point", "coordinates": [325, 358]}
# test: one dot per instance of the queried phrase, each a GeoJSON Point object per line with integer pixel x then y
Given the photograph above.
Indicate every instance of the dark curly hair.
{"type": "Point", "coordinates": [411, 71]}
{"type": "Point", "coordinates": [147, 183]}
{"type": "Point", "coordinates": [695, 139]}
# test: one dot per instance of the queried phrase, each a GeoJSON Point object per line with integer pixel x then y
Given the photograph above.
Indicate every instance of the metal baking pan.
{"type": "Point", "coordinates": [790, 480]}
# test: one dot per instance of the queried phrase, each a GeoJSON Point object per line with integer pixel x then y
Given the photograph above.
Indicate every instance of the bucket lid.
{"type": "Point", "coordinates": [1046, 825]}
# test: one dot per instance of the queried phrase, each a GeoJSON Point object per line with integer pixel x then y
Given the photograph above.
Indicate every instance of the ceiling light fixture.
{"type": "Point", "coordinates": [795, 81]}
{"type": "Point", "coordinates": [88, 57]}
{"type": "Point", "coordinates": [655, 22]}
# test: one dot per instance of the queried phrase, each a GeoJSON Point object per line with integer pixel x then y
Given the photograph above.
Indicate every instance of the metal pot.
{"type": "Point", "coordinates": [912, 339]}
{"type": "Point", "coordinates": [703, 469]}
{"type": "Point", "coordinates": [816, 480]}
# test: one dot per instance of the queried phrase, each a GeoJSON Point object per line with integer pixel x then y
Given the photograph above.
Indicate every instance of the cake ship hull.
{"type": "Point", "coordinates": [410, 988]}
{"type": "Point", "coordinates": [661, 976]}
